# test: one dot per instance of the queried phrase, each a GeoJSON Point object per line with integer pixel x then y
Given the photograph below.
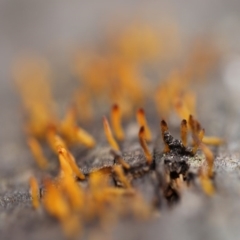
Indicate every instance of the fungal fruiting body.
{"type": "Point", "coordinates": [87, 190]}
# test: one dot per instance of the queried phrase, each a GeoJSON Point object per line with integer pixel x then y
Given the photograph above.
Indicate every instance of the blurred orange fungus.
{"type": "Point", "coordinates": [113, 78]}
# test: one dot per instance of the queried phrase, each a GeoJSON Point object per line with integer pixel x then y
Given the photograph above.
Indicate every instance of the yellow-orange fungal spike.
{"type": "Point", "coordinates": [201, 134]}
{"type": "Point", "coordinates": [121, 176]}
{"type": "Point", "coordinates": [68, 125]}
{"type": "Point", "coordinates": [206, 183]}
{"type": "Point", "coordinates": [116, 122]}
{"type": "Point", "coordinates": [64, 164]}
{"type": "Point", "coordinates": [98, 181]}
{"type": "Point", "coordinates": [108, 132]}
{"type": "Point", "coordinates": [54, 140]}
{"type": "Point", "coordinates": [184, 132]}
{"type": "Point", "coordinates": [189, 99]}
{"type": "Point", "coordinates": [164, 128]}
{"type": "Point", "coordinates": [144, 146]}
{"type": "Point", "coordinates": [70, 117]}
{"type": "Point", "coordinates": [191, 122]}
{"type": "Point", "coordinates": [58, 205]}
{"type": "Point", "coordinates": [215, 141]}
{"type": "Point", "coordinates": [197, 138]}
{"type": "Point", "coordinates": [75, 167]}
{"type": "Point", "coordinates": [142, 121]}
{"type": "Point", "coordinates": [73, 191]}
{"type": "Point", "coordinates": [209, 158]}
{"type": "Point", "coordinates": [196, 143]}
{"type": "Point", "coordinates": [104, 171]}
{"type": "Point", "coordinates": [195, 128]}
{"type": "Point", "coordinates": [120, 160]}
{"type": "Point", "coordinates": [85, 138]}
{"type": "Point", "coordinates": [119, 191]}
{"type": "Point", "coordinates": [198, 127]}
{"type": "Point", "coordinates": [74, 134]}
{"type": "Point", "coordinates": [31, 75]}
{"type": "Point", "coordinates": [123, 163]}
{"type": "Point", "coordinates": [194, 125]}
{"type": "Point", "coordinates": [35, 192]}
{"type": "Point", "coordinates": [67, 160]}
{"type": "Point", "coordinates": [37, 152]}
{"type": "Point", "coordinates": [59, 142]}
{"type": "Point", "coordinates": [54, 201]}
{"type": "Point", "coordinates": [181, 109]}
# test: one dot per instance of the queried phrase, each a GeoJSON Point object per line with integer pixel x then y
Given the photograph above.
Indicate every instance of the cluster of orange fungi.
{"type": "Point", "coordinates": [111, 77]}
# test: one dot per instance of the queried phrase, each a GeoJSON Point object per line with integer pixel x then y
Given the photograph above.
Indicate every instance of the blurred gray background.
{"type": "Point", "coordinates": [52, 28]}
